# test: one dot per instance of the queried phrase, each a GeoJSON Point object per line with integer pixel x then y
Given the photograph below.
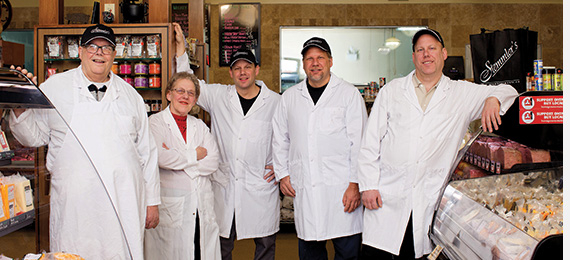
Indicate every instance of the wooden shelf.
{"type": "Point", "coordinates": [10, 225]}
{"type": "Point", "coordinates": [165, 31]}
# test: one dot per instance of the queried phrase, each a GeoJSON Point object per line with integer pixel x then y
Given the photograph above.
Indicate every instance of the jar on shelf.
{"type": "Point", "coordinates": [141, 68]}
{"type": "Point", "coordinates": [125, 68]}
{"type": "Point", "coordinates": [154, 68]}
{"type": "Point", "coordinates": [154, 81]}
{"type": "Point", "coordinates": [115, 67]}
{"type": "Point", "coordinates": [128, 79]}
{"type": "Point", "coordinates": [141, 81]}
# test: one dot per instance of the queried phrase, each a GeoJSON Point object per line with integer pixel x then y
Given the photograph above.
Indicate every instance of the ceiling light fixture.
{"type": "Point", "coordinates": [392, 43]}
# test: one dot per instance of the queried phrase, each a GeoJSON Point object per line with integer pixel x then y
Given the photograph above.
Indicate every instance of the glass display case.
{"type": "Point", "coordinates": [500, 216]}
{"type": "Point", "coordinates": [505, 197]}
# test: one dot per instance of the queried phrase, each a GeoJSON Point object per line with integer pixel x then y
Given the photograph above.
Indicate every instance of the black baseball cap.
{"type": "Point", "coordinates": [316, 42]}
{"type": "Point", "coordinates": [243, 54]}
{"type": "Point", "coordinates": [98, 31]}
{"type": "Point", "coordinates": [431, 32]}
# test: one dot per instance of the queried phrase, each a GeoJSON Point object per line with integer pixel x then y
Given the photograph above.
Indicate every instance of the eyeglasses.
{"type": "Point", "coordinates": [93, 48]}
{"type": "Point", "coordinates": [180, 91]}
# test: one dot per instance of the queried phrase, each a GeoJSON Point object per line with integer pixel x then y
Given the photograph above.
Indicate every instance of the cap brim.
{"type": "Point", "coordinates": [313, 45]}
{"type": "Point", "coordinates": [100, 37]}
{"type": "Point", "coordinates": [245, 59]}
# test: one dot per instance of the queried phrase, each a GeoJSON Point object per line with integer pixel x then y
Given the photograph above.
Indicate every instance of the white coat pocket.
{"type": "Point", "coordinates": [254, 180]}
{"type": "Point", "coordinates": [171, 212]}
{"type": "Point", "coordinates": [392, 181]}
{"type": "Point", "coordinates": [334, 170]}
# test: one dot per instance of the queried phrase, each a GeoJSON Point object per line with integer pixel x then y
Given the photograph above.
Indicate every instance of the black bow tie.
{"type": "Point", "coordinates": [92, 88]}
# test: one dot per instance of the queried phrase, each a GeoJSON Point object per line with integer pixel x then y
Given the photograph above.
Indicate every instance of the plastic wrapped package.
{"type": "Point", "coordinates": [153, 46]}
{"type": "Point", "coordinates": [53, 256]}
{"type": "Point", "coordinates": [137, 47]}
{"type": "Point", "coordinates": [72, 47]}
{"type": "Point", "coordinates": [54, 47]}
{"type": "Point", "coordinates": [123, 46]}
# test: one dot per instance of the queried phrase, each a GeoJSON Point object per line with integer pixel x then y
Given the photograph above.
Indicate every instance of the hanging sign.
{"type": "Point", "coordinates": [239, 26]}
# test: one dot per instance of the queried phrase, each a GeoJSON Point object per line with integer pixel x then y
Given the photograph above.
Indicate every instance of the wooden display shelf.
{"type": "Point", "coordinates": [166, 58]}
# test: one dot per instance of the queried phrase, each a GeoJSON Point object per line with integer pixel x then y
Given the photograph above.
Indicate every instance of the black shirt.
{"type": "Point", "coordinates": [247, 103]}
{"type": "Point", "coordinates": [316, 92]}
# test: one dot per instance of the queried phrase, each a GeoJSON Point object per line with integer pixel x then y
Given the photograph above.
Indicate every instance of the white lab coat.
{"type": "Point", "coordinates": [115, 134]}
{"type": "Point", "coordinates": [317, 146]}
{"type": "Point", "coordinates": [407, 153]}
{"type": "Point", "coordinates": [245, 148]}
{"type": "Point", "coordinates": [185, 188]}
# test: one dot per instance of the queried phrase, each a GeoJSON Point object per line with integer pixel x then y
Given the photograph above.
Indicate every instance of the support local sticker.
{"type": "Point", "coordinates": [540, 110]}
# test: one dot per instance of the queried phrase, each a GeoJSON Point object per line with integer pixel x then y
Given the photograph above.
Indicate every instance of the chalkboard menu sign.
{"type": "Point", "coordinates": [180, 16]}
{"type": "Point", "coordinates": [239, 26]}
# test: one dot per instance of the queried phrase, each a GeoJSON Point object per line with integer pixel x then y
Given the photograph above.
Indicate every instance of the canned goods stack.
{"type": "Point", "coordinates": [141, 72]}
{"type": "Point", "coordinates": [537, 75]}
{"type": "Point", "coordinates": [125, 70]}
{"type": "Point", "coordinates": [544, 78]}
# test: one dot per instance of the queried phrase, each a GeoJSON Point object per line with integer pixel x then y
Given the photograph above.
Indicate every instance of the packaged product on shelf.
{"type": "Point", "coordinates": [123, 46]}
{"type": "Point", "coordinates": [141, 82]}
{"type": "Point", "coordinates": [125, 68]}
{"type": "Point", "coordinates": [3, 215]}
{"type": "Point", "coordinates": [9, 199]}
{"type": "Point", "coordinates": [141, 68]}
{"type": "Point", "coordinates": [128, 79]}
{"type": "Point", "coordinates": [22, 192]}
{"type": "Point", "coordinates": [153, 46]}
{"type": "Point", "coordinates": [115, 67]}
{"type": "Point", "coordinates": [154, 68]}
{"type": "Point", "coordinates": [137, 47]}
{"type": "Point", "coordinates": [4, 146]}
{"type": "Point", "coordinates": [73, 47]}
{"type": "Point", "coordinates": [54, 47]}
{"type": "Point", "coordinates": [558, 80]}
{"type": "Point", "coordinates": [154, 81]}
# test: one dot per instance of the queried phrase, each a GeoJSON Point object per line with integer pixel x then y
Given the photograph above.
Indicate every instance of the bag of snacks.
{"type": "Point", "coordinates": [54, 47]}
{"type": "Point", "coordinates": [73, 47]}
{"type": "Point", "coordinates": [153, 46]}
{"type": "Point", "coordinates": [137, 47]}
{"type": "Point", "coordinates": [123, 46]}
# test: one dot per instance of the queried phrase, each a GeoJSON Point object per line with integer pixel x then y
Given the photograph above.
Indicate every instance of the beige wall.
{"type": "Point", "coordinates": [454, 21]}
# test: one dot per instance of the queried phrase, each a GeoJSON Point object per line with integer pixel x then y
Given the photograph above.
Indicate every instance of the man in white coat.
{"type": "Point", "coordinates": [246, 195]}
{"type": "Point", "coordinates": [317, 129]}
{"type": "Point", "coordinates": [411, 140]}
{"type": "Point", "coordinates": [95, 218]}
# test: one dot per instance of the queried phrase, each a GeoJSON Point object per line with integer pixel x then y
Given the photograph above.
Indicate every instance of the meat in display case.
{"type": "Point", "coordinates": [505, 197]}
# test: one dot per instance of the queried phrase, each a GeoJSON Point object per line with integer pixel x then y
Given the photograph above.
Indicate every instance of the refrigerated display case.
{"type": "Point", "coordinates": [504, 200]}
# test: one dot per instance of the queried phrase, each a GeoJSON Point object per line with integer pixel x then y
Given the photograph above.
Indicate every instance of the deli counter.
{"type": "Point", "coordinates": [504, 199]}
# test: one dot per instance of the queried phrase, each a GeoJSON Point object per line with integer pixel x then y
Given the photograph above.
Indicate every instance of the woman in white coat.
{"type": "Point", "coordinates": [187, 156]}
